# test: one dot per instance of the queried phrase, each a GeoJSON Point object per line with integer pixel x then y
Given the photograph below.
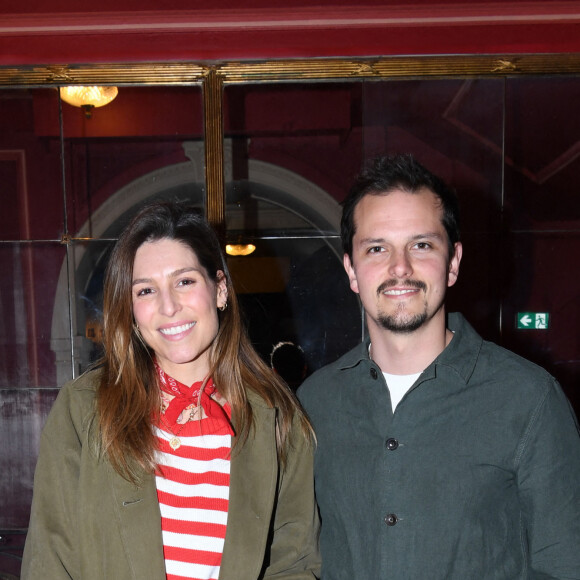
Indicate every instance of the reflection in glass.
{"type": "Point", "coordinates": [28, 333]}
{"type": "Point", "coordinates": [290, 153]}
{"type": "Point", "coordinates": [543, 153]}
{"type": "Point", "coordinates": [539, 281]}
{"type": "Point", "coordinates": [22, 416]}
{"type": "Point", "coordinates": [146, 144]}
{"type": "Point", "coordinates": [294, 289]}
{"type": "Point", "coordinates": [30, 166]}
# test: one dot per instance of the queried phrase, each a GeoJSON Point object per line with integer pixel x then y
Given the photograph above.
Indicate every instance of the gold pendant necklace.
{"type": "Point", "coordinates": [175, 441]}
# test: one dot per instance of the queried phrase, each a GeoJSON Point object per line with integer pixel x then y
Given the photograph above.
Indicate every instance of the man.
{"type": "Point", "coordinates": [439, 455]}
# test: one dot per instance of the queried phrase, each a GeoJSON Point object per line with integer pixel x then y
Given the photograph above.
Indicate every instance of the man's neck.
{"type": "Point", "coordinates": [408, 353]}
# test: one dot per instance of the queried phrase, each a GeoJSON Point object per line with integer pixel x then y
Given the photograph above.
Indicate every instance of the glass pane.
{"type": "Point", "coordinates": [296, 290]}
{"type": "Point", "coordinates": [543, 216]}
{"type": "Point", "coordinates": [310, 132]}
{"type": "Point", "coordinates": [291, 152]}
{"type": "Point", "coordinates": [146, 144]}
{"type": "Point", "coordinates": [455, 129]}
{"type": "Point", "coordinates": [30, 166]}
{"type": "Point", "coordinates": [89, 260]}
{"type": "Point", "coordinates": [537, 284]}
{"type": "Point", "coordinates": [22, 415]}
{"type": "Point", "coordinates": [34, 333]}
{"type": "Point", "coordinates": [542, 153]}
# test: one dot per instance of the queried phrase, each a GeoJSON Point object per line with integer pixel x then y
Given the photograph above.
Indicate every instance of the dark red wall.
{"type": "Point", "coordinates": [62, 31]}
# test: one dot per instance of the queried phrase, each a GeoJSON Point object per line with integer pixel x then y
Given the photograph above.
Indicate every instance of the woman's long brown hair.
{"type": "Point", "coordinates": [128, 396]}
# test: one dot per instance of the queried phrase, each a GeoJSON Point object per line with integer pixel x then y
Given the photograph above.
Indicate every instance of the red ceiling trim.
{"type": "Point", "coordinates": [336, 17]}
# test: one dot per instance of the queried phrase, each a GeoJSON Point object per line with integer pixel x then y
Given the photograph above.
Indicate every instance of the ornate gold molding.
{"type": "Point", "coordinates": [293, 70]}
{"type": "Point", "coordinates": [102, 74]}
{"type": "Point", "coordinates": [399, 67]}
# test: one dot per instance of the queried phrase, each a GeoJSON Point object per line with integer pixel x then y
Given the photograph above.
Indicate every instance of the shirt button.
{"type": "Point", "coordinates": [391, 519]}
{"type": "Point", "coordinates": [392, 444]}
{"type": "Point", "coordinates": [374, 374]}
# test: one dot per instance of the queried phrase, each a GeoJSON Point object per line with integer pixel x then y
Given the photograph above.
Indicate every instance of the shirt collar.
{"type": "Point", "coordinates": [460, 355]}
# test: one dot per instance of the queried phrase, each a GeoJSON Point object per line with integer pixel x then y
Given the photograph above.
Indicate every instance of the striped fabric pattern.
{"type": "Point", "coordinates": [193, 483]}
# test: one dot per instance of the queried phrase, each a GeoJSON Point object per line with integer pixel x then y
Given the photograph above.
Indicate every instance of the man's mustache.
{"type": "Point", "coordinates": [406, 284]}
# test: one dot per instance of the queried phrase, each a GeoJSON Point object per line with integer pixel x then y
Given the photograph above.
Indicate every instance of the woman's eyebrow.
{"type": "Point", "coordinates": [171, 275]}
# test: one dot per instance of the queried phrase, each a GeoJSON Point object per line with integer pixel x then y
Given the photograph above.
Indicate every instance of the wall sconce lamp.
{"type": "Point", "coordinates": [239, 249]}
{"type": "Point", "coordinates": [87, 98]}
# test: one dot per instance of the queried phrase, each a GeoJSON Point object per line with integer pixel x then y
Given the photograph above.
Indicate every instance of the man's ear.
{"type": "Point", "coordinates": [454, 264]}
{"type": "Point", "coordinates": [350, 273]}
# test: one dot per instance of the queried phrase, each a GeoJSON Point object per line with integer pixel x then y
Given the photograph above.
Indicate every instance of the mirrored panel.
{"type": "Point", "coordinates": [22, 416]}
{"type": "Point", "coordinates": [147, 143]}
{"type": "Point", "coordinates": [291, 151]}
{"type": "Point", "coordinates": [542, 154]}
{"type": "Point", "coordinates": [295, 290]}
{"type": "Point", "coordinates": [542, 306]}
{"type": "Point", "coordinates": [30, 166]}
{"type": "Point", "coordinates": [34, 339]}
{"type": "Point", "coordinates": [542, 214]}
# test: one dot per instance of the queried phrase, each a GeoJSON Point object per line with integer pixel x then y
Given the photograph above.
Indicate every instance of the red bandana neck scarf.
{"type": "Point", "coordinates": [185, 396]}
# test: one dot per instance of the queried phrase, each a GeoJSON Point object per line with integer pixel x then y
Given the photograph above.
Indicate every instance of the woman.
{"type": "Point", "coordinates": [182, 455]}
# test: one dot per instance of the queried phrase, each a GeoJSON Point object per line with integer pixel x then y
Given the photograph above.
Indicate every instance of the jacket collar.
{"type": "Point", "coordinates": [460, 355]}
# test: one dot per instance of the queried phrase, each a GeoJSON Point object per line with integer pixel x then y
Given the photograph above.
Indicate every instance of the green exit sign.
{"type": "Point", "coordinates": [533, 320]}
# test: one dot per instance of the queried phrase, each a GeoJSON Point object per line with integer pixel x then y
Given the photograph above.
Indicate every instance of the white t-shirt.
{"type": "Point", "coordinates": [398, 385]}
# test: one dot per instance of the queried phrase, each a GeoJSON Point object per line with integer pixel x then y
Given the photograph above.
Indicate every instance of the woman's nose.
{"type": "Point", "coordinates": [169, 304]}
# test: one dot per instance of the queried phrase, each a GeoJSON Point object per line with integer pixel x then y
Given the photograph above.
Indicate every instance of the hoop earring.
{"type": "Point", "coordinates": [222, 308]}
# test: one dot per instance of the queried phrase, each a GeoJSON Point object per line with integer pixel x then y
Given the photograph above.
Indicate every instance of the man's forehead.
{"type": "Point", "coordinates": [399, 203]}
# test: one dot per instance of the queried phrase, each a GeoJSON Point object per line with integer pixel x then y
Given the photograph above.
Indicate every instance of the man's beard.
{"type": "Point", "coordinates": [400, 322]}
{"type": "Point", "coordinates": [396, 323]}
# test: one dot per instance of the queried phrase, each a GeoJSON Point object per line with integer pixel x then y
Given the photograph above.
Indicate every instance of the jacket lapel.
{"type": "Point", "coordinates": [253, 483]}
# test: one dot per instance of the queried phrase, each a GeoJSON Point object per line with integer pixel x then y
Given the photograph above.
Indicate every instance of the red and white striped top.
{"type": "Point", "coordinates": [193, 483]}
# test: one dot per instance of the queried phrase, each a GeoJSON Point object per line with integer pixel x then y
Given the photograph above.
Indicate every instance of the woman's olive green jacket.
{"type": "Point", "coordinates": [88, 523]}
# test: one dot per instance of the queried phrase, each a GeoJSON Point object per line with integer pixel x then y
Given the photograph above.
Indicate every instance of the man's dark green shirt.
{"type": "Point", "coordinates": [475, 475]}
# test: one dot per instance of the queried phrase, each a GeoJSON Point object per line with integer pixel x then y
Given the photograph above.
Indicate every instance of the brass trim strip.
{"type": "Point", "coordinates": [214, 151]}
{"type": "Point", "coordinates": [293, 70]}
{"type": "Point", "coordinates": [400, 67]}
{"type": "Point", "coordinates": [103, 74]}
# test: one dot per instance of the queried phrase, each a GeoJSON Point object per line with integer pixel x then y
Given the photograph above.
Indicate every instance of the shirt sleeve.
{"type": "Point", "coordinates": [548, 466]}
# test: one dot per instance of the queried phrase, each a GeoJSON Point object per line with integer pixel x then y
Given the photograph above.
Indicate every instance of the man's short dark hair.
{"type": "Point", "coordinates": [384, 174]}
